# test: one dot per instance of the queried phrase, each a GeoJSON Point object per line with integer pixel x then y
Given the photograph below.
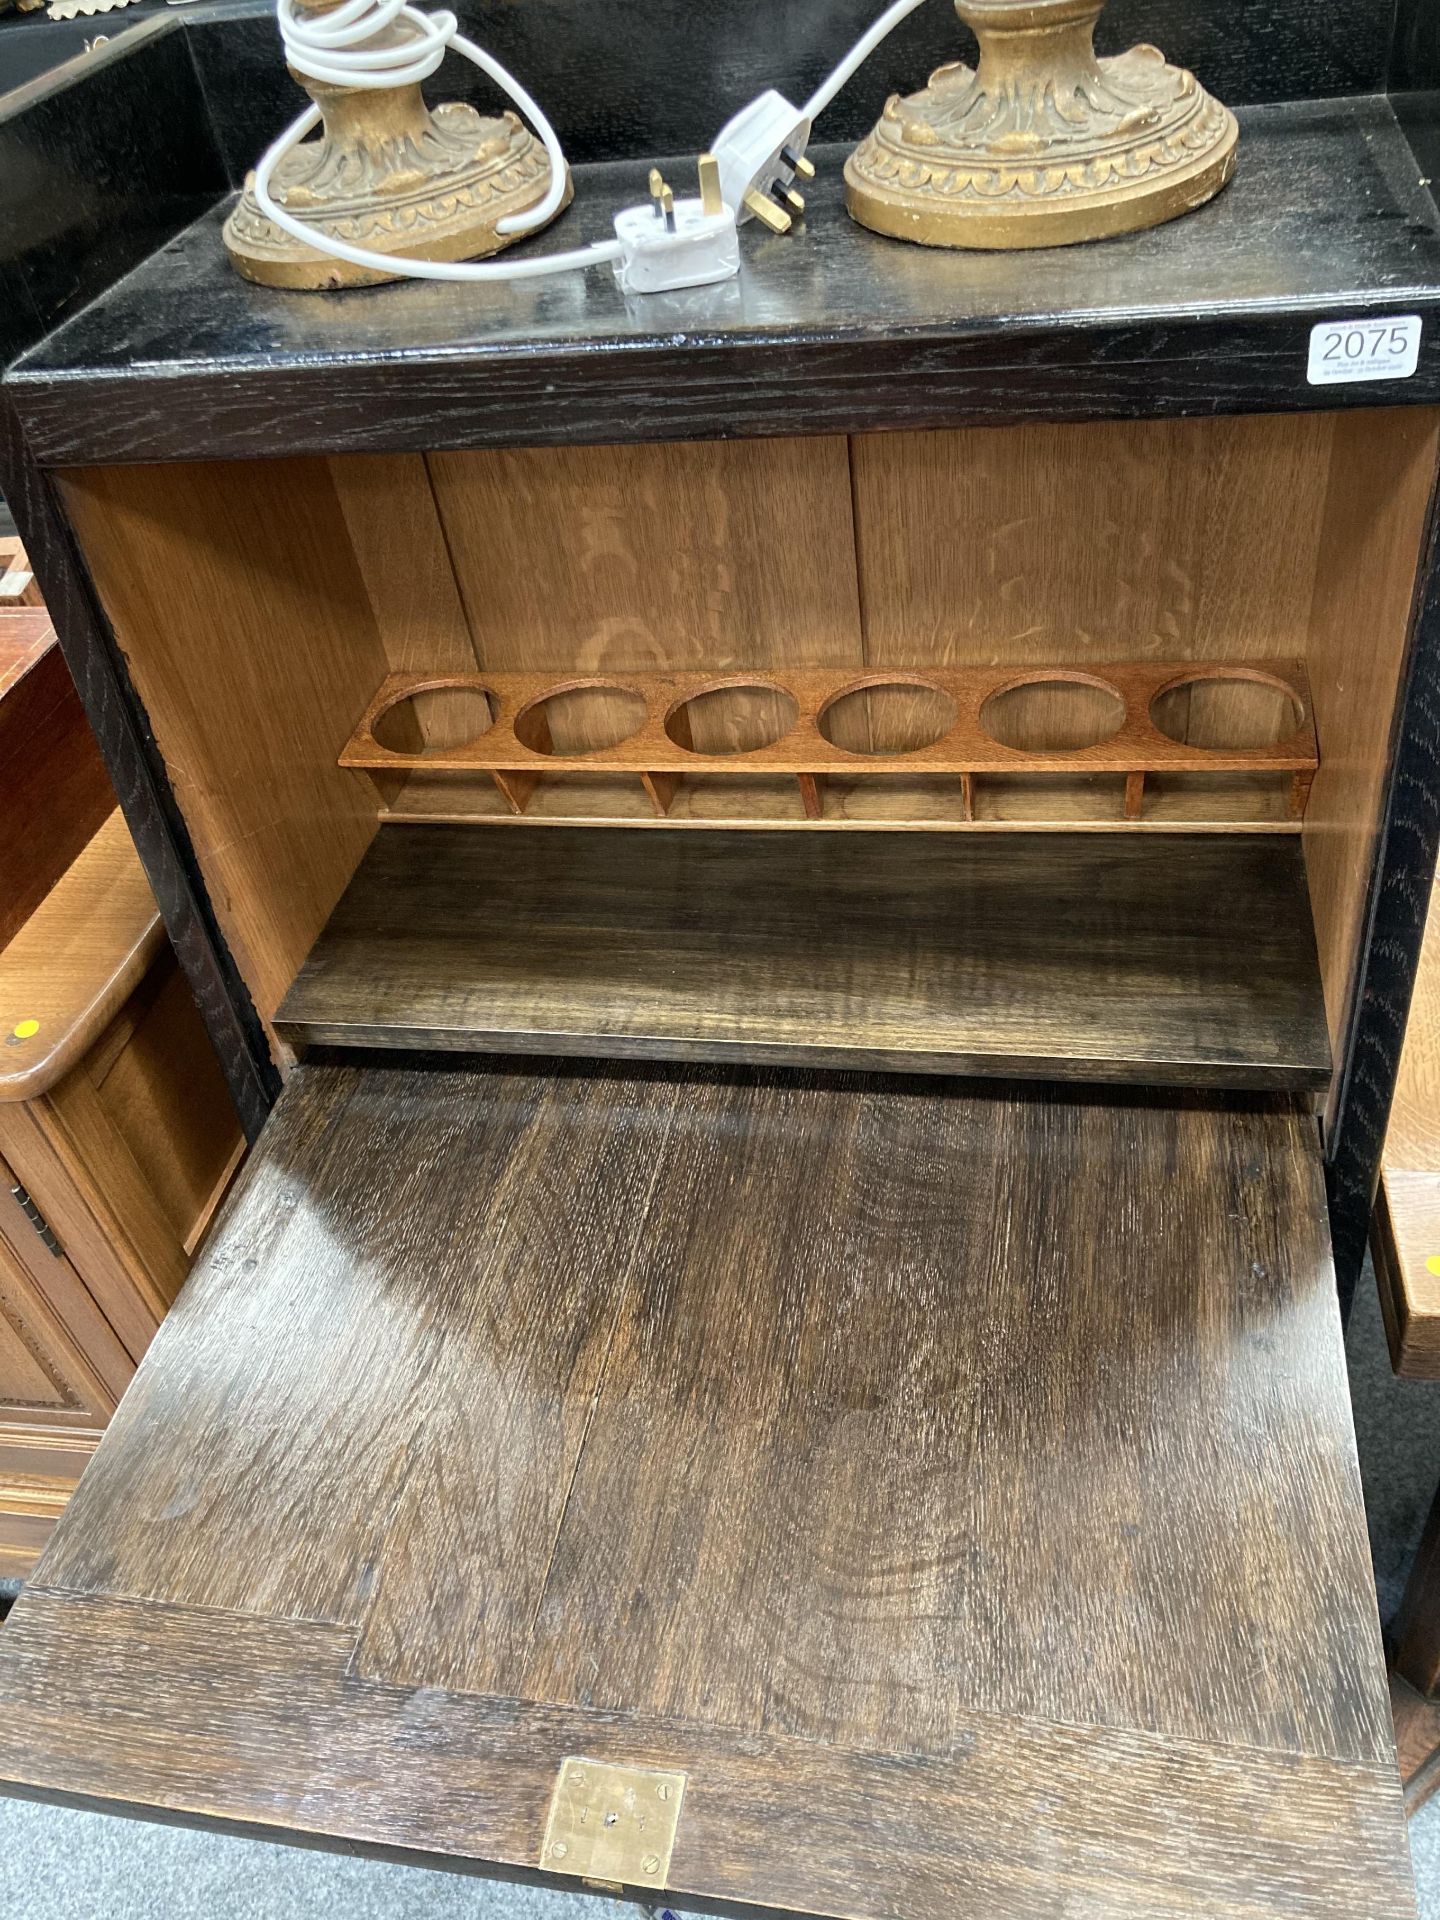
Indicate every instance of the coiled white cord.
{"type": "Point", "coordinates": [332, 48]}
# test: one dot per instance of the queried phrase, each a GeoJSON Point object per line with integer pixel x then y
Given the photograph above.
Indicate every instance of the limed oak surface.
{"type": "Point", "coordinates": [960, 1489]}
{"type": "Point", "coordinates": [1069, 957]}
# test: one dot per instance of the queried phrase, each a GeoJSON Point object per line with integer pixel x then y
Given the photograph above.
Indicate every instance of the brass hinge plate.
{"type": "Point", "coordinates": [613, 1824]}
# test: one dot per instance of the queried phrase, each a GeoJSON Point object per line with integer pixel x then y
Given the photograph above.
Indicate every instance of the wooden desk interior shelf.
{"type": "Point", "coordinates": [906, 742]}
{"type": "Point", "coordinates": [1078, 958]}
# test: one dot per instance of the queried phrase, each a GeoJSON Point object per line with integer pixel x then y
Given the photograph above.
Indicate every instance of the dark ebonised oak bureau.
{"type": "Point", "coordinates": [788, 1301]}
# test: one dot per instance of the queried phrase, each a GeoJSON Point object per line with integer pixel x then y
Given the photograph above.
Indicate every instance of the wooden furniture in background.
{"type": "Point", "coordinates": [18, 585]}
{"type": "Point", "coordinates": [53, 783]}
{"type": "Point", "coordinates": [117, 1138]}
{"type": "Point", "coordinates": [881, 731]}
{"type": "Point", "coordinates": [784, 1364]}
{"type": "Point", "coordinates": [1406, 1242]}
{"type": "Point", "coordinates": [1415, 1672]}
{"type": "Point", "coordinates": [1406, 1232]}
{"type": "Point", "coordinates": [116, 1132]}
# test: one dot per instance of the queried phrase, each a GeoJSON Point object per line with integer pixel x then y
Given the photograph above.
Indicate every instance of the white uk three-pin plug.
{"type": "Point", "coordinates": [761, 154]}
{"type": "Point", "coordinates": [678, 243]}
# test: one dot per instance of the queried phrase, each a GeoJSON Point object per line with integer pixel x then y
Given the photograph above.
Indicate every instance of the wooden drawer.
{"type": "Point", "coordinates": [956, 1488]}
{"type": "Point", "coordinates": [62, 1370]}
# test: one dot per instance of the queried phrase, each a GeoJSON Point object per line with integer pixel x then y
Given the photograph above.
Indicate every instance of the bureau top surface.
{"type": "Point", "coordinates": [829, 329]}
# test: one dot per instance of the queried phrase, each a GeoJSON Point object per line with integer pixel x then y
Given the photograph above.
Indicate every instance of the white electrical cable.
{"type": "Point", "coordinates": [330, 48]}
{"type": "Point", "coordinates": [857, 56]}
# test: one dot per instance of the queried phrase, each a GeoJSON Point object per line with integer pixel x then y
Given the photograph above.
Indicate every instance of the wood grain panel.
{"type": "Point", "coordinates": [1035, 1822]}
{"type": "Point", "coordinates": [1417, 1624]}
{"type": "Point", "coordinates": [510, 1328]}
{"type": "Point", "coordinates": [1382, 476]}
{"type": "Point", "coordinates": [24, 1380]}
{"type": "Point", "coordinates": [52, 780]}
{"type": "Point", "coordinates": [768, 1510]}
{"type": "Point", "coordinates": [1406, 1231]}
{"type": "Point", "coordinates": [1095, 958]}
{"type": "Point", "coordinates": [159, 1088]}
{"type": "Point", "coordinates": [1405, 1238]}
{"type": "Point", "coordinates": [602, 559]}
{"type": "Point", "coordinates": [1141, 539]}
{"type": "Point", "coordinates": [26, 635]}
{"type": "Point", "coordinates": [960, 1488]}
{"type": "Point", "coordinates": [40, 1462]}
{"type": "Point", "coordinates": [62, 1369]}
{"type": "Point", "coordinates": [68, 1336]}
{"type": "Point", "coordinates": [251, 639]}
{"type": "Point", "coordinates": [399, 547]}
{"type": "Point", "coordinates": [1417, 1742]}
{"type": "Point", "coordinates": [76, 962]}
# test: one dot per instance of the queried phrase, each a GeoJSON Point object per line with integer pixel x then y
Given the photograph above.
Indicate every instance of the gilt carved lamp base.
{"type": "Point", "coordinates": [390, 175]}
{"type": "Point", "coordinates": [1043, 144]}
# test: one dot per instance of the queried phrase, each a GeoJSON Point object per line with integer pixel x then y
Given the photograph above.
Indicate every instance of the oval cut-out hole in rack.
{"type": "Point", "coordinates": [1229, 713]}
{"type": "Point", "coordinates": [740, 717]}
{"type": "Point", "coordinates": [589, 716]}
{"type": "Point", "coordinates": [1053, 713]}
{"type": "Point", "coordinates": [436, 719]}
{"type": "Point", "coordinates": [887, 716]}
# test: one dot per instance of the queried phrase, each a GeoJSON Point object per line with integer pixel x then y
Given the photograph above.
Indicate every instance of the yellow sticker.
{"type": "Point", "coordinates": [1432, 1265]}
{"type": "Point", "coordinates": [27, 1029]}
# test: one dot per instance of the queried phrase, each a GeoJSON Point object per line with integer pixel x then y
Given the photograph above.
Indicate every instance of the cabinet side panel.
{"type": "Point", "coordinates": [244, 619]}
{"type": "Point", "coordinates": [1381, 478]}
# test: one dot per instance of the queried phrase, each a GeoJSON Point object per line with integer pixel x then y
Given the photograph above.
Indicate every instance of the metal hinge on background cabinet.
{"type": "Point", "coordinates": [28, 1207]}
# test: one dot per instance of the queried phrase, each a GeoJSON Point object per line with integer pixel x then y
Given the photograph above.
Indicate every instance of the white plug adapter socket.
{"type": "Point", "coordinates": [752, 148]}
{"type": "Point", "coordinates": [700, 249]}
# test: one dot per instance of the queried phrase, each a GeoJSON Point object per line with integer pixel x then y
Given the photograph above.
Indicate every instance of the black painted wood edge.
{"type": "Point", "coordinates": [1402, 874]}
{"type": "Point", "coordinates": [141, 783]}
{"type": "Point", "coordinates": [127, 40]}
{"type": "Point", "coordinates": [694, 388]}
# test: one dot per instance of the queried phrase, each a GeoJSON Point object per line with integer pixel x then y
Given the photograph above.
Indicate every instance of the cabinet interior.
{"type": "Point", "coordinates": [261, 606]}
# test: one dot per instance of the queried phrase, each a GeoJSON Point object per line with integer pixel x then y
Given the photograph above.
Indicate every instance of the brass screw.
{"type": "Point", "coordinates": [663, 1789]}
{"type": "Point", "coordinates": [559, 1849]}
{"type": "Point", "coordinates": [651, 1863]}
